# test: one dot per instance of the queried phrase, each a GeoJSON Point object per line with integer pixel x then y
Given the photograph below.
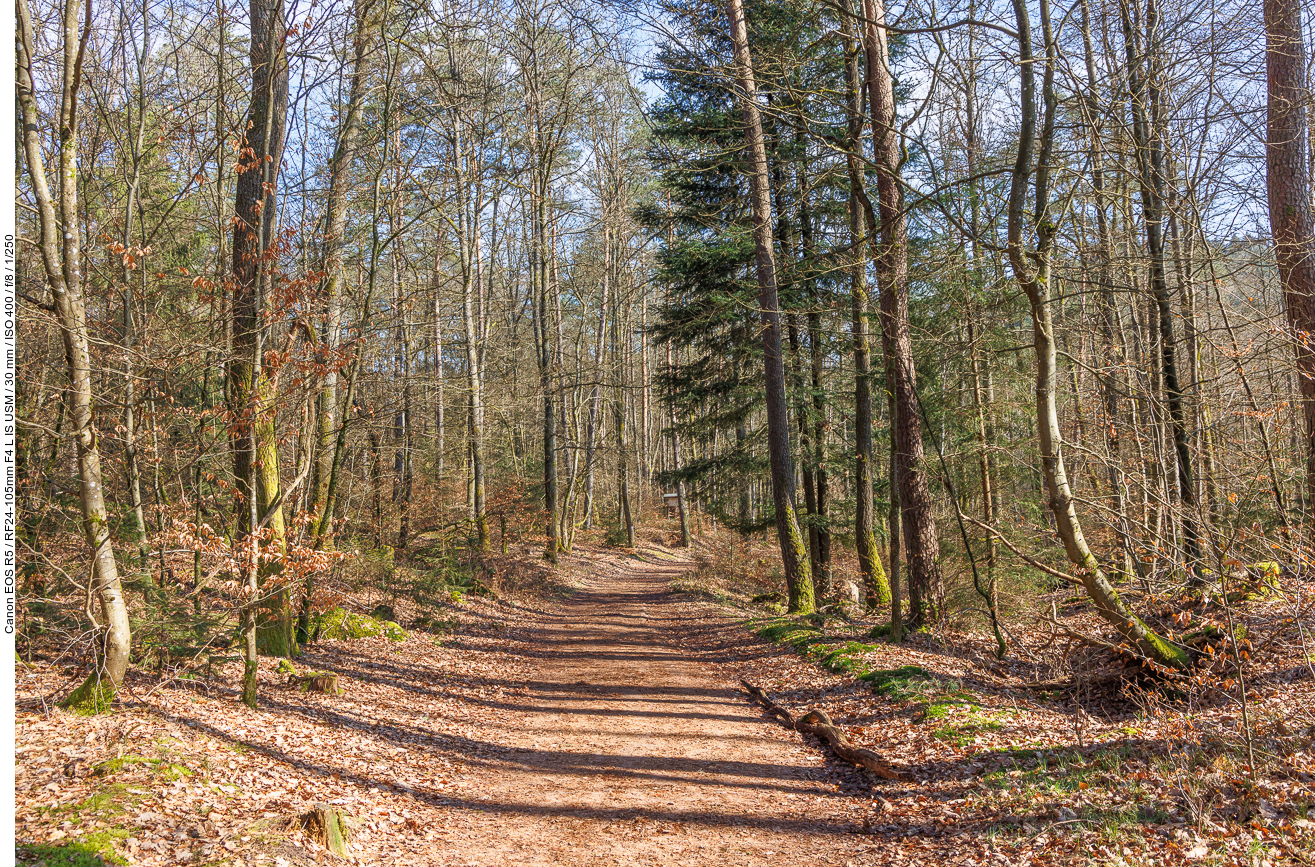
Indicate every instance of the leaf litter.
{"type": "Point", "coordinates": [608, 728]}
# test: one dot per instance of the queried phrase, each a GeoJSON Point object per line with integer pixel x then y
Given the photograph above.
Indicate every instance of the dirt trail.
{"type": "Point", "coordinates": [628, 751]}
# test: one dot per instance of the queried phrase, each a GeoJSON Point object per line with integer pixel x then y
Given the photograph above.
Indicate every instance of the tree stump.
{"type": "Point", "coordinates": [328, 826]}
{"type": "Point", "coordinates": [322, 682]}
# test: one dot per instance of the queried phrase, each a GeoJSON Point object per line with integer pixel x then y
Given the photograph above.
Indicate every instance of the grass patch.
{"type": "Point", "coordinates": [905, 682]}
{"type": "Point", "coordinates": [798, 634]}
{"type": "Point", "coordinates": [848, 658]}
{"type": "Point", "coordinates": [962, 734]}
{"type": "Point", "coordinates": [109, 802]}
{"type": "Point", "coordinates": [915, 683]}
{"type": "Point", "coordinates": [95, 849]}
{"type": "Point", "coordinates": [805, 636]}
{"type": "Point", "coordinates": [162, 767]}
{"type": "Point", "coordinates": [93, 836]}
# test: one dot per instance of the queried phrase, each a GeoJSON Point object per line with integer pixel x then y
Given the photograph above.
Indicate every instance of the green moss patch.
{"type": "Point", "coordinates": [162, 767]}
{"type": "Point", "coordinates": [806, 636]}
{"type": "Point", "coordinates": [340, 624]}
{"type": "Point", "coordinates": [800, 635]}
{"type": "Point", "coordinates": [88, 846]}
{"type": "Point", "coordinates": [106, 804]}
{"type": "Point", "coordinates": [93, 696]}
{"type": "Point", "coordinates": [906, 683]}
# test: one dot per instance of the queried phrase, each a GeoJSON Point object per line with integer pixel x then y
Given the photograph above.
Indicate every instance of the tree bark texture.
{"type": "Point", "coordinates": [1287, 175]}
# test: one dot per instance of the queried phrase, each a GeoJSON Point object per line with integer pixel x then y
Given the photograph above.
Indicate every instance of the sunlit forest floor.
{"type": "Point", "coordinates": [594, 715]}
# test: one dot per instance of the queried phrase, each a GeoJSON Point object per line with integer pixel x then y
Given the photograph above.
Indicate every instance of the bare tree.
{"type": "Point", "coordinates": [250, 391]}
{"type": "Point", "coordinates": [1032, 270]}
{"type": "Point", "coordinates": [61, 256]}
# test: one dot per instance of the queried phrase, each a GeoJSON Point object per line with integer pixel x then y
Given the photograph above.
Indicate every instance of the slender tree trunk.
{"type": "Point", "coordinates": [1032, 271]}
{"type": "Point", "coordinates": [1108, 312]}
{"type": "Point", "coordinates": [406, 440]}
{"type": "Point", "coordinates": [983, 397]}
{"type": "Point", "coordinates": [61, 257]}
{"type": "Point", "coordinates": [1147, 127]}
{"type": "Point", "coordinates": [645, 445]}
{"type": "Point", "coordinates": [440, 407]}
{"type": "Point", "coordinates": [376, 487]}
{"type": "Point", "coordinates": [468, 232]}
{"type": "Point", "coordinates": [251, 400]}
{"type": "Point", "coordinates": [131, 455]}
{"type": "Point", "coordinates": [819, 532]}
{"type": "Point", "coordinates": [794, 556]}
{"type": "Point", "coordinates": [543, 318]}
{"type": "Point", "coordinates": [619, 392]}
{"type": "Point", "coordinates": [686, 540]}
{"type": "Point", "coordinates": [596, 395]}
{"type": "Point", "coordinates": [922, 547]}
{"type": "Point", "coordinates": [800, 389]}
{"type": "Point", "coordinates": [894, 518]}
{"type": "Point", "coordinates": [786, 236]}
{"type": "Point", "coordinates": [329, 411]}
{"type": "Point", "coordinates": [876, 585]}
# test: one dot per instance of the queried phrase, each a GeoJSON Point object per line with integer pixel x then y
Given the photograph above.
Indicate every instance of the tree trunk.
{"type": "Point", "coordinates": [819, 532]}
{"type": "Point", "coordinates": [875, 583]}
{"type": "Point", "coordinates": [686, 540]}
{"type": "Point", "coordinates": [794, 556]}
{"type": "Point", "coordinates": [1036, 282]}
{"type": "Point", "coordinates": [543, 325]}
{"type": "Point", "coordinates": [251, 400]}
{"type": "Point", "coordinates": [596, 395]}
{"type": "Point", "coordinates": [406, 427]}
{"type": "Point", "coordinates": [922, 547]}
{"type": "Point", "coordinates": [1287, 174]}
{"type": "Point", "coordinates": [469, 250]}
{"type": "Point", "coordinates": [1147, 128]}
{"type": "Point", "coordinates": [619, 392]}
{"type": "Point", "coordinates": [329, 411]}
{"type": "Point", "coordinates": [439, 400]}
{"type": "Point", "coordinates": [131, 455]}
{"type": "Point", "coordinates": [61, 256]}
{"type": "Point", "coordinates": [1108, 312]}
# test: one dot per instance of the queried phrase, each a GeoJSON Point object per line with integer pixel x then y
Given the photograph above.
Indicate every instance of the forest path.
{"type": "Point", "coordinates": [626, 750]}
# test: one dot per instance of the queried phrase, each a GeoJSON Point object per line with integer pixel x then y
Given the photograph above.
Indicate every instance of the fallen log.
{"type": "Point", "coordinates": [816, 723]}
